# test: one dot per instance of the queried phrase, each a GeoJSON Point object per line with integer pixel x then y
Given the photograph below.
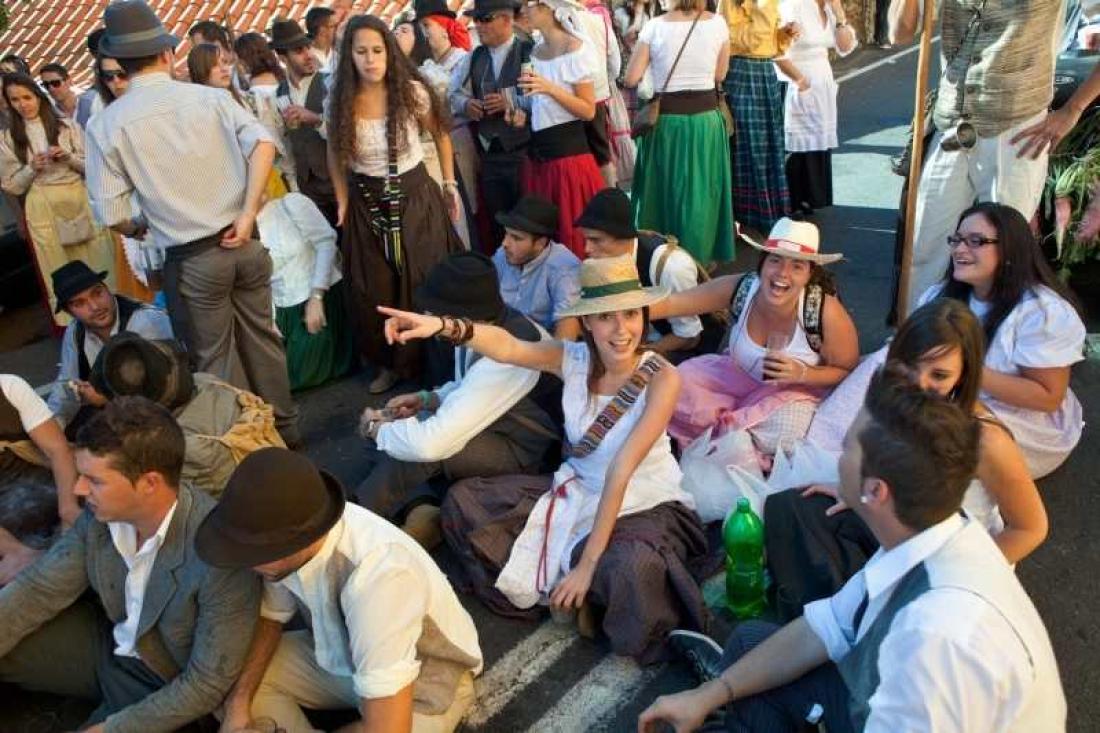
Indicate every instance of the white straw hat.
{"type": "Point", "coordinates": [612, 284]}
{"type": "Point", "coordinates": [797, 240]}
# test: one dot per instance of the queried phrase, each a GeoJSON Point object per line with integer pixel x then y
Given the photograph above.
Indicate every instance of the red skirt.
{"type": "Point", "coordinates": [569, 182]}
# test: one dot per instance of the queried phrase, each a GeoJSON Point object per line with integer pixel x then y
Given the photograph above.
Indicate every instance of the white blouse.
{"type": "Point", "coordinates": [372, 151]}
{"type": "Point", "coordinates": [749, 355]}
{"type": "Point", "coordinates": [568, 69]}
{"type": "Point", "coordinates": [438, 75]}
{"type": "Point", "coordinates": [16, 177]}
{"type": "Point", "coordinates": [302, 247]}
{"type": "Point", "coordinates": [696, 68]}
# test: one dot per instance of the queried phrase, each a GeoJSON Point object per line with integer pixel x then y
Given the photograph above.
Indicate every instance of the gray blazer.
{"type": "Point", "coordinates": [196, 621]}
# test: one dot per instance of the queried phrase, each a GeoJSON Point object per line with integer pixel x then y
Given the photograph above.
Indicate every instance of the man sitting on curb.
{"type": "Point", "coordinates": [608, 227]}
{"type": "Point", "coordinates": [491, 420]}
{"type": "Point", "coordinates": [385, 634]}
{"type": "Point", "coordinates": [162, 639]}
{"type": "Point", "coordinates": [538, 276]}
{"type": "Point", "coordinates": [935, 633]}
{"type": "Point", "coordinates": [97, 316]}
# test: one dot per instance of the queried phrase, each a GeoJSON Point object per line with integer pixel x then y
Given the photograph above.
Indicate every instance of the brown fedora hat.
{"type": "Point", "coordinates": [275, 504]}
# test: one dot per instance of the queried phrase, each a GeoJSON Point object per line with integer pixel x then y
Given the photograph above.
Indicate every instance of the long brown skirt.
{"type": "Point", "coordinates": [646, 582]}
{"type": "Point", "coordinates": [427, 236]}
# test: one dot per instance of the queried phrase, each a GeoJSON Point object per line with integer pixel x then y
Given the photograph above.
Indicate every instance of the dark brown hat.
{"type": "Point", "coordinates": [275, 504]}
{"type": "Point", "coordinates": [156, 370]}
{"type": "Point", "coordinates": [287, 35]}
{"type": "Point", "coordinates": [71, 279]}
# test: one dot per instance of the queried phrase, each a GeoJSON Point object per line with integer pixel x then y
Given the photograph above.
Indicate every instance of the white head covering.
{"type": "Point", "coordinates": [567, 12]}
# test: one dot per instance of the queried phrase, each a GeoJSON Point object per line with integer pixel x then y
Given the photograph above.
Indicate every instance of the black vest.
{"type": "Point", "coordinates": [126, 309]}
{"type": "Point", "coordinates": [308, 148]}
{"type": "Point", "coordinates": [481, 69]}
{"type": "Point", "coordinates": [648, 242]}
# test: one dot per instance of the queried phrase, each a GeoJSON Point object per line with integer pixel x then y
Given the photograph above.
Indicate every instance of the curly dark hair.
{"type": "Point", "coordinates": [46, 114]}
{"type": "Point", "coordinates": [401, 96]}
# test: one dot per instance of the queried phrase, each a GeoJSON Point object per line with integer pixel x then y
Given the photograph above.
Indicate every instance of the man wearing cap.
{"type": "Point", "coordinates": [538, 276]}
{"type": "Point", "coordinates": [490, 419]}
{"type": "Point", "coordinates": [196, 163]}
{"type": "Point", "coordinates": [161, 638]}
{"type": "Point", "coordinates": [385, 633]}
{"type": "Point", "coordinates": [97, 315]}
{"type": "Point", "coordinates": [609, 231]}
{"type": "Point", "coordinates": [476, 92]}
{"type": "Point", "coordinates": [304, 91]}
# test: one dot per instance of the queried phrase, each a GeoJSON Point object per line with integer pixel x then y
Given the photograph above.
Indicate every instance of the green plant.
{"type": "Point", "coordinates": [1074, 173]}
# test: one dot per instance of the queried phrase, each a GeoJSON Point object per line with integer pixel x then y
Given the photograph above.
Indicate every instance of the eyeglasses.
{"type": "Point", "coordinates": [53, 83]}
{"type": "Point", "coordinates": [972, 241]}
{"type": "Point", "coordinates": [113, 75]}
{"type": "Point", "coordinates": [487, 18]}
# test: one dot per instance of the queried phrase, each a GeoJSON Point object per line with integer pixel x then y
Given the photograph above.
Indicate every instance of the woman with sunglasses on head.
{"type": "Point", "coordinates": [612, 531]}
{"type": "Point", "coordinates": [42, 159]}
{"type": "Point", "coordinates": [1033, 330]}
{"type": "Point", "coordinates": [398, 222]}
{"type": "Point", "coordinates": [814, 546]}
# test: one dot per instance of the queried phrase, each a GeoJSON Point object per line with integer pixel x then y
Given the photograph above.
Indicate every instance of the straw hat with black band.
{"type": "Point", "coordinates": [612, 284]}
{"type": "Point", "coordinates": [796, 240]}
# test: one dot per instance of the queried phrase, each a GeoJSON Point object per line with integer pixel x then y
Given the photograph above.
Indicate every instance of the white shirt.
{"type": "Point", "coordinates": [568, 69]}
{"type": "Point", "coordinates": [325, 59]}
{"type": "Point", "coordinates": [696, 68]}
{"type": "Point", "coordinates": [139, 562]}
{"type": "Point", "coordinates": [478, 396]}
{"type": "Point", "coordinates": [32, 409]}
{"type": "Point", "coordinates": [371, 594]}
{"type": "Point", "coordinates": [372, 150]}
{"type": "Point", "coordinates": [678, 274]}
{"type": "Point", "coordinates": [302, 246]}
{"type": "Point", "coordinates": [952, 660]}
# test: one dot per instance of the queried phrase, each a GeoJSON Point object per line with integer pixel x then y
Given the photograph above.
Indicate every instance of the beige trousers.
{"type": "Point", "coordinates": [295, 680]}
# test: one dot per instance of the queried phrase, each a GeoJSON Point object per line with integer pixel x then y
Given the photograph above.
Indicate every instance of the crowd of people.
{"type": "Point", "coordinates": [471, 218]}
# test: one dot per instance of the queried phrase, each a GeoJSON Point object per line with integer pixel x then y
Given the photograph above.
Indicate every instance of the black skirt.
{"type": "Point", "coordinates": [810, 179]}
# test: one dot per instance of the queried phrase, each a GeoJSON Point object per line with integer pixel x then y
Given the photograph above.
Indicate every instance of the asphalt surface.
{"type": "Point", "coordinates": [542, 676]}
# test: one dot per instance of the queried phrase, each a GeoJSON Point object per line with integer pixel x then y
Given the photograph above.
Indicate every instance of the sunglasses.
{"type": "Point", "coordinates": [112, 75]}
{"type": "Point", "coordinates": [972, 241]}
{"type": "Point", "coordinates": [53, 83]}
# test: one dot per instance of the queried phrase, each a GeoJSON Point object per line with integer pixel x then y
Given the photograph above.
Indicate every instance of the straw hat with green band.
{"type": "Point", "coordinates": [612, 284]}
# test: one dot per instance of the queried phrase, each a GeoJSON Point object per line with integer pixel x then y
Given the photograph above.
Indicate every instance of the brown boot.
{"type": "Point", "coordinates": [422, 524]}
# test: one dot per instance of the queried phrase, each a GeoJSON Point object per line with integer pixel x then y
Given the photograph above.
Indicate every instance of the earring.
{"type": "Point", "coordinates": [863, 499]}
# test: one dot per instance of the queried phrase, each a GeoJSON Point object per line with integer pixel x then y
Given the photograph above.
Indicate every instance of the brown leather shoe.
{"type": "Point", "coordinates": [422, 524]}
{"type": "Point", "coordinates": [382, 382]}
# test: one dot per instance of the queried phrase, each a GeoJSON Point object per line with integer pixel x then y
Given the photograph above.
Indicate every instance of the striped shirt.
{"type": "Point", "coordinates": [181, 150]}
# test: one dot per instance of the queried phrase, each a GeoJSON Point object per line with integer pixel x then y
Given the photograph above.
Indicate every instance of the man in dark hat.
{"type": "Point", "coordinates": [538, 276]}
{"type": "Point", "coordinates": [199, 197]}
{"type": "Point", "coordinates": [97, 315]}
{"type": "Point", "coordinates": [161, 638]}
{"type": "Point", "coordinates": [221, 424]}
{"type": "Point", "coordinates": [303, 92]}
{"type": "Point", "coordinates": [477, 92]}
{"type": "Point", "coordinates": [609, 231]}
{"type": "Point", "coordinates": [385, 634]}
{"type": "Point", "coordinates": [492, 419]}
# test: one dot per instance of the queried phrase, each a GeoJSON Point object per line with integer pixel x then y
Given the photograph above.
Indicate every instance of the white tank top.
{"type": "Point", "coordinates": [749, 355]}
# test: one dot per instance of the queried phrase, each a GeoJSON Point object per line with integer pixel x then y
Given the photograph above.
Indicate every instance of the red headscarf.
{"type": "Point", "coordinates": [457, 33]}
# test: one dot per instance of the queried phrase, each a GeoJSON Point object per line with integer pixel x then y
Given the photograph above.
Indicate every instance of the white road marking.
{"type": "Point", "coordinates": [882, 62]}
{"type": "Point", "coordinates": [518, 668]}
{"type": "Point", "coordinates": [592, 703]}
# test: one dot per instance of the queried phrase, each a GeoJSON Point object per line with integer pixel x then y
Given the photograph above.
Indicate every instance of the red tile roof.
{"type": "Point", "coordinates": [45, 31]}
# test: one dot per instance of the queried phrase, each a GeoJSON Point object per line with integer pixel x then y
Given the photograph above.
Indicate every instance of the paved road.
{"type": "Point", "coordinates": [542, 677]}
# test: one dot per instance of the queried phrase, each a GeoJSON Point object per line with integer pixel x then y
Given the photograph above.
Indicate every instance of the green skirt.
{"type": "Point", "coordinates": [313, 359]}
{"type": "Point", "coordinates": [682, 184]}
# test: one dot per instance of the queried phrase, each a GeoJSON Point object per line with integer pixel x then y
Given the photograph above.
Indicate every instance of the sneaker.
{"type": "Point", "coordinates": [383, 381]}
{"type": "Point", "coordinates": [422, 524]}
{"type": "Point", "coordinates": [703, 653]}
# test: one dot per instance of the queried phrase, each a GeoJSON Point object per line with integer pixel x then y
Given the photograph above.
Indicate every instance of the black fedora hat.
{"type": "Point", "coordinates": [531, 214]}
{"type": "Point", "coordinates": [287, 35]}
{"type": "Point", "coordinates": [609, 211]}
{"type": "Point", "coordinates": [133, 30]}
{"type": "Point", "coordinates": [157, 370]}
{"type": "Point", "coordinates": [465, 284]}
{"type": "Point", "coordinates": [484, 7]}
{"type": "Point", "coordinates": [424, 8]}
{"type": "Point", "coordinates": [71, 279]}
{"type": "Point", "coordinates": [275, 504]}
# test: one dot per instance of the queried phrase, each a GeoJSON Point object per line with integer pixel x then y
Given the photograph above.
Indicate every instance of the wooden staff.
{"type": "Point", "coordinates": [915, 159]}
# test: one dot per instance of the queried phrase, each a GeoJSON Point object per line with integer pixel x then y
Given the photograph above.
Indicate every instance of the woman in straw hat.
{"type": "Point", "coordinates": [613, 526]}
{"type": "Point", "coordinates": [790, 340]}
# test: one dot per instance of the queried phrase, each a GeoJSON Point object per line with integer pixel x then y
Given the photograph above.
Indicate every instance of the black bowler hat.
{"type": "Point", "coordinates": [156, 370]}
{"type": "Point", "coordinates": [424, 8]}
{"type": "Point", "coordinates": [532, 214]}
{"type": "Point", "coordinates": [133, 30]}
{"type": "Point", "coordinates": [484, 7]}
{"type": "Point", "coordinates": [71, 279]}
{"type": "Point", "coordinates": [465, 284]}
{"type": "Point", "coordinates": [275, 504]}
{"type": "Point", "coordinates": [609, 211]}
{"type": "Point", "coordinates": [287, 35]}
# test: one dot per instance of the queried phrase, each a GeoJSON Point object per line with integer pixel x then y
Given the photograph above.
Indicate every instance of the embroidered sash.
{"type": "Point", "coordinates": [623, 400]}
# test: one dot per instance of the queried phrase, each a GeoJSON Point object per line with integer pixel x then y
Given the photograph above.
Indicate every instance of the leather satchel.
{"type": "Point", "coordinates": [645, 119]}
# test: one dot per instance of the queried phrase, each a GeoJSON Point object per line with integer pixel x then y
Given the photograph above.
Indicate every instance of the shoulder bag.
{"type": "Point", "coordinates": [645, 119]}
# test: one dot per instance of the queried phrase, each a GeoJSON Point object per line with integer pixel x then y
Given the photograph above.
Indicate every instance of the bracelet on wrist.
{"type": "Point", "coordinates": [425, 399]}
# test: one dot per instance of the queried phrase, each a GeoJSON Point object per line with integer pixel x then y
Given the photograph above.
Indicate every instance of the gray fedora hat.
{"type": "Point", "coordinates": [133, 30]}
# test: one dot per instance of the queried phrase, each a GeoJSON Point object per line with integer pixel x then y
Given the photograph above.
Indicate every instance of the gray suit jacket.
{"type": "Point", "coordinates": [196, 621]}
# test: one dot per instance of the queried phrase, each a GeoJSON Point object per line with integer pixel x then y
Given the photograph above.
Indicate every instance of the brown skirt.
{"type": "Point", "coordinates": [427, 236]}
{"type": "Point", "coordinates": [646, 582]}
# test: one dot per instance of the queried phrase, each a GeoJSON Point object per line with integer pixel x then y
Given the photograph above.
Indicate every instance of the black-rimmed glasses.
{"type": "Point", "coordinates": [972, 241]}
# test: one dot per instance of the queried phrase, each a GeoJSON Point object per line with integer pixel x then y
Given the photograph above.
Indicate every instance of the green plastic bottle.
{"type": "Point", "coordinates": [743, 536]}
